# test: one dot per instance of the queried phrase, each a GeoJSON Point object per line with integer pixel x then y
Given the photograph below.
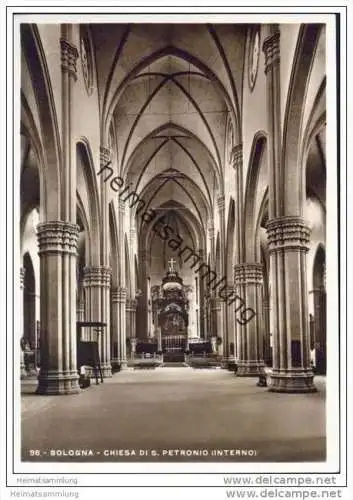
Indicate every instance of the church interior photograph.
{"type": "Point", "coordinates": [172, 264]}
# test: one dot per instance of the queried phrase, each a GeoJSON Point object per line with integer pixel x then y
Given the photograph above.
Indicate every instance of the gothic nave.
{"type": "Point", "coordinates": [173, 217]}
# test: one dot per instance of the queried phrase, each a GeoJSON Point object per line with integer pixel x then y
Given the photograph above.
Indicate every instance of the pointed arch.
{"type": "Point", "coordinates": [193, 102]}
{"type": "Point", "coordinates": [311, 139]}
{"type": "Point", "coordinates": [196, 229]}
{"type": "Point", "coordinates": [30, 131]}
{"type": "Point", "coordinates": [258, 149]}
{"type": "Point", "coordinates": [320, 309]}
{"type": "Point", "coordinates": [293, 196]}
{"type": "Point", "coordinates": [108, 110]}
{"type": "Point", "coordinates": [259, 238]}
{"type": "Point", "coordinates": [89, 191]}
{"type": "Point", "coordinates": [82, 221]}
{"type": "Point", "coordinates": [39, 73]}
{"type": "Point", "coordinates": [182, 131]}
{"type": "Point", "coordinates": [319, 268]}
{"type": "Point", "coordinates": [316, 120]}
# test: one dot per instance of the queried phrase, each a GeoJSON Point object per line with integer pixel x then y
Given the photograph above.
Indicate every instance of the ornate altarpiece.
{"type": "Point", "coordinates": [170, 307]}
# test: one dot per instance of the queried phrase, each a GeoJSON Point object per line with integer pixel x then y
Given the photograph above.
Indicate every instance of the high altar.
{"type": "Point", "coordinates": [171, 313]}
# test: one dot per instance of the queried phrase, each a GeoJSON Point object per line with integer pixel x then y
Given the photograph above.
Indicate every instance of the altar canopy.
{"type": "Point", "coordinates": [170, 309]}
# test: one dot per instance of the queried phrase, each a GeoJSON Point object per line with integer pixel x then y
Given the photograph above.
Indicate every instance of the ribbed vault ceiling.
{"type": "Point", "coordinates": [169, 92]}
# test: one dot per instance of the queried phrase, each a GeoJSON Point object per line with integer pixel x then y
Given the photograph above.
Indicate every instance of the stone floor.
{"type": "Point", "coordinates": [198, 412]}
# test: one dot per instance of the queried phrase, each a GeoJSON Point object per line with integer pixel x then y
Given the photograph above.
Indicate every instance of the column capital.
{"type": "Point", "coordinates": [105, 156]}
{"type": "Point", "coordinates": [96, 276]}
{"type": "Point", "coordinates": [57, 237]}
{"type": "Point", "coordinates": [119, 294]}
{"type": "Point", "coordinates": [288, 233]}
{"type": "Point", "coordinates": [236, 156]}
{"type": "Point", "coordinates": [248, 274]}
{"type": "Point", "coordinates": [69, 55]}
{"type": "Point", "coordinates": [271, 48]}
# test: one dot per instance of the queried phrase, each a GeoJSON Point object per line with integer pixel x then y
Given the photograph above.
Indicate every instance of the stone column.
{"type": "Point", "coordinates": [288, 238]}
{"type": "Point", "coordinates": [210, 228]}
{"type": "Point", "coordinates": [223, 332]}
{"type": "Point", "coordinates": [214, 344]}
{"type": "Point", "coordinates": [131, 305]}
{"type": "Point", "coordinates": [127, 319]}
{"type": "Point", "coordinates": [105, 317]}
{"type": "Point", "coordinates": [123, 360]}
{"type": "Point", "coordinates": [119, 324]}
{"type": "Point", "coordinates": [220, 317]}
{"type": "Point", "coordinates": [267, 332]}
{"type": "Point", "coordinates": [142, 317]}
{"type": "Point", "coordinates": [248, 283]}
{"type": "Point", "coordinates": [207, 316]}
{"type": "Point", "coordinates": [201, 294]}
{"type": "Point", "coordinates": [230, 310]}
{"type": "Point", "coordinates": [105, 158]}
{"type": "Point", "coordinates": [217, 320]}
{"type": "Point", "coordinates": [69, 55]}
{"type": "Point", "coordinates": [212, 323]}
{"type": "Point", "coordinates": [133, 342]}
{"type": "Point", "coordinates": [115, 322]}
{"type": "Point", "coordinates": [23, 372]}
{"type": "Point", "coordinates": [150, 329]}
{"type": "Point", "coordinates": [288, 244]}
{"type": "Point", "coordinates": [96, 282]}
{"type": "Point", "coordinates": [154, 319]}
{"type": "Point", "coordinates": [237, 162]}
{"type": "Point", "coordinates": [57, 251]}
{"type": "Point", "coordinates": [80, 310]}
{"type": "Point", "coordinates": [159, 339]}
{"type": "Point", "coordinates": [133, 248]}
{"type": "Point", "coordinates": [271, 48]}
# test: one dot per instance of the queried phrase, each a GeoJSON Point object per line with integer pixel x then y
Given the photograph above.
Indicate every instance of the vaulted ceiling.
{"type": "Point", "coordinates": [168, 91]}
